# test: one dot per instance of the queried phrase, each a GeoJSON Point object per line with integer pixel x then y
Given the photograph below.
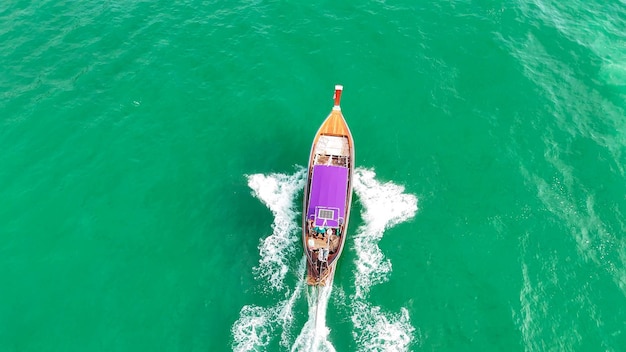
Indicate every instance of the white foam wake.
{"type": "Point", "coordinates": [257, 326]}
{"type": "Point", "coordinates": [314, 334]}
{"type": "Point", "coordinates": [278, 192]}
{"type": "Point", "coordinates": [384, 206]}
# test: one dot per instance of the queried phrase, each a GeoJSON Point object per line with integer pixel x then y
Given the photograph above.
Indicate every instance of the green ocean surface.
{"type": "Point", "coordinates": [151, 174]}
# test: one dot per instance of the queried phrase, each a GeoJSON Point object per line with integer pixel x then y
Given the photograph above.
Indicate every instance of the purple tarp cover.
{"type": "Point", "coordinates": [328, 191]}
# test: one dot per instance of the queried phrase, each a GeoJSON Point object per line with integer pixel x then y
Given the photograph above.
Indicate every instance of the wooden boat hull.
{"type": "Point", "coordinates": [328, 196]}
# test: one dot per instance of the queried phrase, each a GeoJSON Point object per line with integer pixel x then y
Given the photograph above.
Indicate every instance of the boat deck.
{"type": "Point", "coordinates": [332, 145]}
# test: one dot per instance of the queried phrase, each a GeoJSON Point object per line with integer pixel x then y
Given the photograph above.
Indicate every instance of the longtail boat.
{"type": "Point", "coordinates": [328, 196]}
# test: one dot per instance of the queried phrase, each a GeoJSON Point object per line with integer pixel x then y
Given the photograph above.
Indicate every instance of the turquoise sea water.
{"type": "Point", "coordinates": [151, 175]}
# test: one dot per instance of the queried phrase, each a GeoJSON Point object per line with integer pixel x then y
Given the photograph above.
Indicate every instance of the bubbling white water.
{"type": "Point", "coordinates": [384, 206]}
{"type": "Point", "coordinates": [257, 326]}
{"type": "Point", "coordinates": [278, 192]}
{"type": "Point", "coordinates": [314, 334]}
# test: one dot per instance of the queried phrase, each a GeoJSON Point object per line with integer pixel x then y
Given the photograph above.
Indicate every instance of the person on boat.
{"type": "Point", "coordinates": [333, 243]}
{"type": "Point", "coordinates": [323, 255]}
{"type": "Point", "coordinates": [311, 244]}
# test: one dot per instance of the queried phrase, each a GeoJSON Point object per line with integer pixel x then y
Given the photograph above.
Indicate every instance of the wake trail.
{"type": "Point", "coordinates": [314, 334]}
{"type": "Point", "coordinates": [384, 206]}
{"type": "Point", "coordinates": [278, 193]}
{"type": "Point", "coordinates": [257, 325]}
